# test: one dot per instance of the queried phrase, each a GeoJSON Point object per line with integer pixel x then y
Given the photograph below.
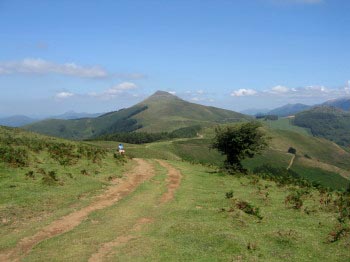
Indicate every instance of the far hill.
{"type": "Point", "coordinates": [255, 111]}
{"type": "Point", "coordinates": [328, 122]}
{"type": "Point", "coordinates": [341, 103]}
{"type": "Point", "coordinates": [288, 110]}
{"type": "Point", "coordinates": [161, 112]}
{"type": "Point", "coordinates": [76, 115]}
{"type": "Point", "coordinates": [16, 121]}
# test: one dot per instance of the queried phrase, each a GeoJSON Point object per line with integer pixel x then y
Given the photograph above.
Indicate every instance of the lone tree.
{"type": "Point", "coordinates": [239, 142]}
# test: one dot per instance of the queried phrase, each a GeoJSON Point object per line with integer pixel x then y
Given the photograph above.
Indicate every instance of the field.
{"type": "Point", "coordinates": [199, 223]}
{"type": "Point", "coordinates": [79, 201]}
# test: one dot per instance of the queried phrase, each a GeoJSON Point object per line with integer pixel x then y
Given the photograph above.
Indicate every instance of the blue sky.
{"type": "Point", "coordinates": [98, 56]}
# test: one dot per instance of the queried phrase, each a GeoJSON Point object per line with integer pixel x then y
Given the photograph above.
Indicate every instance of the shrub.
{"type": "Point", "coordinates": [50, 178]}
{"type": "Point", "coordinates": [229, 194]}
{"type": "Point", "coordinates": [249, 209]}
{"type": "Point", "coordinates": [14, 156]}
{"type": "Point", "coordinates": [292, 150]}
{"type": "Point", "coordinates": [30, 174]}
{"type": "Point", "coordinates": [295, 198]}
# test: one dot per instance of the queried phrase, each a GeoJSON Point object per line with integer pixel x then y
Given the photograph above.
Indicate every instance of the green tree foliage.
{"type": "Point", "coordinates": [239, 142]}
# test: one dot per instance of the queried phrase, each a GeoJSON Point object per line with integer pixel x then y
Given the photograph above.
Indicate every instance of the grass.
{"type": "Point", "coordinates": [27, 202]}
{"type": "Point", "coordinates": [286, 124]}
{"type": "Point", "coordinates": [196, 150]}
{"type": "Point", "coordinates": [200, 225]}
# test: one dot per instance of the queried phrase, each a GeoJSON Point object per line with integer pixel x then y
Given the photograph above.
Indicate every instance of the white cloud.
{"type": "Point", "coordinates": [172, 92]}
{"type": "Point", "coordinates": [41, 66]}
{"type": "Point", "coordinates": [244, 92]}
{"type": "Point", "coordinates": [279, 89]}
{"type": "Point", "coordinates": [63, 95]}
{"type": "Point", "coordinates": [115, 90]}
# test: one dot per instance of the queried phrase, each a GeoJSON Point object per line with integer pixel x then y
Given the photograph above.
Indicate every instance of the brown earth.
{"type": "Point", "coordinates": [173, 182]}
{"type": "Point", "coordinates": [139, 174]}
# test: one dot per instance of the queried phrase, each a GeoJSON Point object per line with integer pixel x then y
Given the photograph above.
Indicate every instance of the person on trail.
{"type": "Point", "coordinates": [121, 149]}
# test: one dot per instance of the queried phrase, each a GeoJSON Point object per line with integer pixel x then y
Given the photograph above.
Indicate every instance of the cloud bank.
{"type": "Point", "coordinates": [41, 66]}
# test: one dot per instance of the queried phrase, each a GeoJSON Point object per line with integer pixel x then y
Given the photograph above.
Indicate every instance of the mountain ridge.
{"type": "Point", "coordinates": [160, 112]}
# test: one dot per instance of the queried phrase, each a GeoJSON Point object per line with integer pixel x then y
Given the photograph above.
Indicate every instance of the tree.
{"type": "Point", "coordinates": [239, 142]}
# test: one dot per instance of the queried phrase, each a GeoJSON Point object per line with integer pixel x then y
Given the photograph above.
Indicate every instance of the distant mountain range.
{"type": "Point", "coordinates": [292, 109]}
{"type": "Point", "coordinates": [288, 110]}
{"type": "Point", "coordinates": [21, 120]}
{"type": "Point", "coordinates": [255, 111]}
{"type": "Point", "coordinates": [341, 103]}
{"type": "Point", "coordinates": [161, 112]}
{"type": "Point", "coordinates": [16, 121]}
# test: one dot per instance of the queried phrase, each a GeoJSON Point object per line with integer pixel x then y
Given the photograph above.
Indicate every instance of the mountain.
{"type": "Point", "coordinates": [161, 112]}
{"type": "Point", "coordinates": [289, 109]}
{"type": "Point", "coordinates": [341, 103]}
{"type": "Point", "coordinates": [75, 115]}
{"type": "Point", "coordinates": [328, 122]}
{"type": "Point", "coordinates": [16, 121]}
{"type": "Point", "coordinates": [255, 111]}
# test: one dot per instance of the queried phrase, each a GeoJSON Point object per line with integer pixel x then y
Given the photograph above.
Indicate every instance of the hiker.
{"type": "Point", "coordinates": [121, 149]}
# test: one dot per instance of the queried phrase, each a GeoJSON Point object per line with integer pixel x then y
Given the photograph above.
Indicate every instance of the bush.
{"type": "Point", "coordinates": [50, 178]}
{"type": "Point", "coordinates": [229, 194]}
{"type": "Point", "coordinates": [14, 156]}
{"type": "Point", "coordinates": [292, 150]}
{"type": "Point", "coordinates": [249, 209]}
{"type": "Point", "coordinates": [30, 174]}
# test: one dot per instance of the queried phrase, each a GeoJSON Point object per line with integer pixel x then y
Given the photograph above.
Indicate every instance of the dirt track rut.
{"type": "Point", "coordinates": [173, 182]}
{"type": "Point", "coordinates": [143, 171]}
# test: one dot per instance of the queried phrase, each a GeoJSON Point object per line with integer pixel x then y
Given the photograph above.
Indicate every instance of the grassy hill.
{"type": "Point", "coordinates": [213, 217]}
{"type": "Point", "coordinates": [161, 112]}
{"type": "Point", "coordinates": [317, 159]}
{"type": "Point", "coordinates": [44, 180]}
{"type": "Point", "coordinates": [327, 122]}
{"type": "Point", "coordinates": [41, 176]}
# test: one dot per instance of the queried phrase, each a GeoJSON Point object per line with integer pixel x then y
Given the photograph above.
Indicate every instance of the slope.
{"type": "Point", "coordinates": [159, 113]}
{"type": "Point", "coordinates": [341, 103]}
{"type": "Point", "coordinates": [327, 122]}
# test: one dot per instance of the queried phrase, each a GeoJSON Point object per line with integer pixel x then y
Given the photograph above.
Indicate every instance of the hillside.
{"type": "Point", "coordinates": [341, 103]}
{"type": "Point", "coordinates": [317, 159]}
{"type": "Point", "coordinates": [327, 122]}
{"type": "Point", "coordinates": [16, 121]}
{"type": "Point", "coordinates": [72, 201]}
{"type": "Point", "coordinates": [161, 112]}
{"type": "Point", "coordinates": [288, 110]}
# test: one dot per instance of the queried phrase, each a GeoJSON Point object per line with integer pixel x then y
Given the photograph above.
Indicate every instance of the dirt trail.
{"type": "Point", "coordinates": [106, 248]}
{"type": "Point", "coordinates": [173, 180]}
{"type": "Point", "coordinates": [291, 162]}
{"type": "Point", "coordinates": [139, 174]}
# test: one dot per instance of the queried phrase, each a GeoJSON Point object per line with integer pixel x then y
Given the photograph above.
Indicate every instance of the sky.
{"type": "Point", "coordinates": [99, 56]}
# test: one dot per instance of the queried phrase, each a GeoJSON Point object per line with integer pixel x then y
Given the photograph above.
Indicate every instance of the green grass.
{"type": "Point", "coordinates": [324, 177]}
{"type": "Point", "coordinates": [194, 227]}
{"type": "Point", "coordinates": [286, 124]}
{"type": "Point", "coordinates": [26, 203]}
